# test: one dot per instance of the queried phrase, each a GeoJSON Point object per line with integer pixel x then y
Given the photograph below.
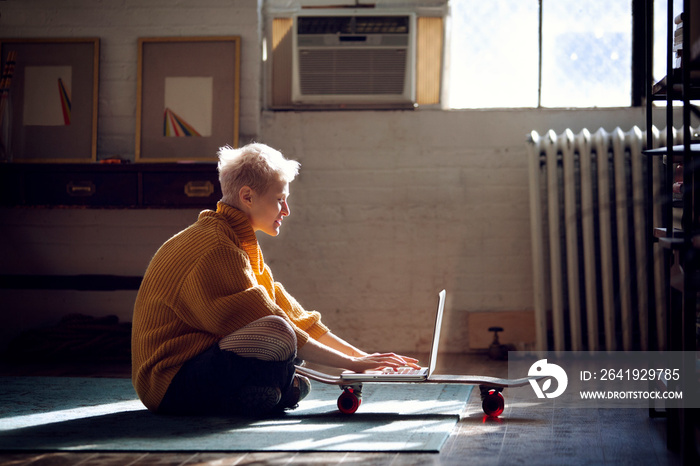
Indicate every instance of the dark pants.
{"type": "Point", "coordinates": [207, 384]}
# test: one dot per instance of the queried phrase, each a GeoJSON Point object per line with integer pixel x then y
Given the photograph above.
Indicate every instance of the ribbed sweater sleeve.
{"type": "Point", "coordinates": [310, 322]}
{"type": "Point", "coordinates": [221, 294]}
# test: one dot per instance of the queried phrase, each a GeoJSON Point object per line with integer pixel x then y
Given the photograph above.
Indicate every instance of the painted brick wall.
{"type": "Point", "coordinates": [389, 206]}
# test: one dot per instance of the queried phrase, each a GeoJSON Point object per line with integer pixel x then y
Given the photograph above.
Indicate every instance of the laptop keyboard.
{"type": "Point", "coordinates": [404, 371]}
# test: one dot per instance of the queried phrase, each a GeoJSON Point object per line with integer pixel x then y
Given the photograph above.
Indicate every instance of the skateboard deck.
{"type": "Point", "coordinates": [350, 399]}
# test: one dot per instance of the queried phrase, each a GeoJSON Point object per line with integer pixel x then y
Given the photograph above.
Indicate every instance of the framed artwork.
{"type": "Point", "coordinates": [188, 98]}
{"type": "Point", "coordinates": [49, 95]}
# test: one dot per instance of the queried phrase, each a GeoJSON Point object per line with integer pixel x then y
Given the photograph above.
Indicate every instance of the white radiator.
{"type": "Point", "coordinates": [588, 225]}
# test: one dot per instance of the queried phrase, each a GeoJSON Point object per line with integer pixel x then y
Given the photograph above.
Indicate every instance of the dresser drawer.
{"type": "Point", "coordinates": [195, 189]}
{"type": "Point", "coordinates": [81, 188]}
{"type": "Point", "coordinates": [104, 185]}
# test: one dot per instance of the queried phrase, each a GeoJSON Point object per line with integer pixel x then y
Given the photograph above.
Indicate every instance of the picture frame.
{"type": "Point", "coordinates": [188, 98]}
{"type": "Point", "coordinates": [49, 100]}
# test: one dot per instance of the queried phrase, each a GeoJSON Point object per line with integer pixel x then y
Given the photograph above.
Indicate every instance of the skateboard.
{"type": "Point", "coordinates": [492, 401]}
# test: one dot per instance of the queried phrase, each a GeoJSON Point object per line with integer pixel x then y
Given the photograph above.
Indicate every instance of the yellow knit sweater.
{"type": "Point", "coordinates": [203, 284]}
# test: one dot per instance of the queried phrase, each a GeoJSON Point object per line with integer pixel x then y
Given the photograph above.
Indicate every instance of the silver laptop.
{"type": "Point", "coordinates": [408, 375]}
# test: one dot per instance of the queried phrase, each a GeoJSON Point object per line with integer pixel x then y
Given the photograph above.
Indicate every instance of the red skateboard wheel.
{"type": "Point", "coordinates": [493, 403]}
{"type": "Point", "coordinates": [348, 401]}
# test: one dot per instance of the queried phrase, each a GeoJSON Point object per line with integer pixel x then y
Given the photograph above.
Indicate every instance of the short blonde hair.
{"type": "Point", "coordinates": [254, 165]}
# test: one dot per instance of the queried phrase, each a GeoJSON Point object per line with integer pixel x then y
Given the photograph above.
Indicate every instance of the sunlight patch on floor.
{"type": "Point", "coordinates": [81, 412]}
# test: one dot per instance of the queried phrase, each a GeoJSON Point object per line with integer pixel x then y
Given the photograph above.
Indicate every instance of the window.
{"type": "Point", "coordinates": [487, 67]}
{"type": "Point", "coordinates": [545, 53]}
{"type": "Point", "coordinates": [660, 19]}
{"type": "Point", "coordinates": [586, 53]}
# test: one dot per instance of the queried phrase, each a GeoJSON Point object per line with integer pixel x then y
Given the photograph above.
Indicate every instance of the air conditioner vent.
{"type": "Point", "coordinates": [352, 71]}
{"type": "Point", "coordinates": [353, 25]}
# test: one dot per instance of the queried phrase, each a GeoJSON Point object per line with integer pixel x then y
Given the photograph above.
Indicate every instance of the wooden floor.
{"type": "Point", "coordinates": [522, 435]}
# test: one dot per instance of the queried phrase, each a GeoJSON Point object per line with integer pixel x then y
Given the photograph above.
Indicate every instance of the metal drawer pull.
{"type": "Point", "coordinates": [80, 188]}
{"type": "Point", "coordinates": [199, 188]}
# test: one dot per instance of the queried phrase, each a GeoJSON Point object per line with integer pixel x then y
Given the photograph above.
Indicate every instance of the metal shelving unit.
{"type": "Point", "coordinates": [681, 245]}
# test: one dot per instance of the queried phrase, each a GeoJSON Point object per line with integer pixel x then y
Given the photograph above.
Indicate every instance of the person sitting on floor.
{"type": "Point", "coordinates": [213, 333]}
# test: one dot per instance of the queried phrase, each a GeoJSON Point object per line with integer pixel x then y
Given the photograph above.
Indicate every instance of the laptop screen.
{"type": "Point", "coordinates": [436, 333]}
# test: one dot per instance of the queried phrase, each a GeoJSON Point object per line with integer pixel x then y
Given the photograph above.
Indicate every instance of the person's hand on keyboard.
{"type": "Point", "coordinates": [383, 361]}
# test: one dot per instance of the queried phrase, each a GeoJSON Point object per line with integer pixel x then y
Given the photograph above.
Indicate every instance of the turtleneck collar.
{"type": "Point", "coordinates": [243, 230]}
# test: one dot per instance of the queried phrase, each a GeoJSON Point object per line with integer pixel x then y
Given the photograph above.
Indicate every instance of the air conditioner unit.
{"type": "Point", "coordinates": [353, 59]}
